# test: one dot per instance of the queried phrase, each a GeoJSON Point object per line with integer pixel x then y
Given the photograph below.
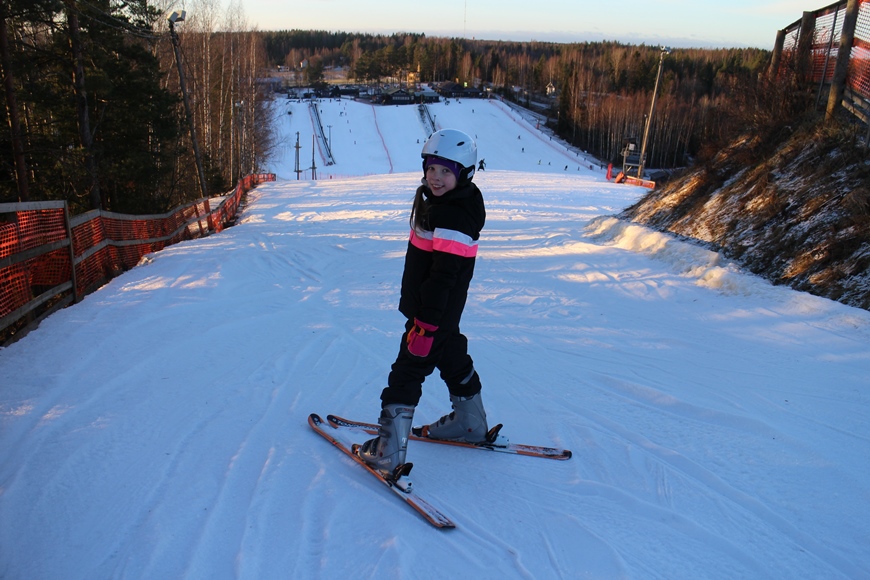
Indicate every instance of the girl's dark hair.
{"type": "Point", "coordinates": [419, 211]}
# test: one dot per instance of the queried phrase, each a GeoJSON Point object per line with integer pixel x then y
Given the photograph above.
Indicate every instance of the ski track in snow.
{"type": "Point", "coordinates": [158, 429]}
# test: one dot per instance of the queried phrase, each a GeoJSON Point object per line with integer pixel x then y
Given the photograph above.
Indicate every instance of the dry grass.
{"type": "Point", "coordinates": [796, 208]}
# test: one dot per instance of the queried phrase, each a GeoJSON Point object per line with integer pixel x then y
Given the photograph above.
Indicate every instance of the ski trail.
{"type": "Point", "coordinates": [381, 136]}
{"type": "Point", "coordinates": [158, 428]}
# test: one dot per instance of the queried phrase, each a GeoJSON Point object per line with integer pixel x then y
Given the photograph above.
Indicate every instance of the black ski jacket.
{"type": "Point", "coordinates": [439, 262]}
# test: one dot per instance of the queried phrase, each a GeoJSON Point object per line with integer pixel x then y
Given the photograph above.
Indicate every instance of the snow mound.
{"type": "Point", "coordinates": [709, 268]}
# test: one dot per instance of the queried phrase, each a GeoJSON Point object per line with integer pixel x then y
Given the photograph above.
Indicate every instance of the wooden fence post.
{"type": "Point", "coordinates": [804, 57]}
{"type": "Point", "coordinates": [72, 253]}
{"type": "Point", "coordinates": [777, 55]}
{"type": "Point", "coordinates": [844, 55]}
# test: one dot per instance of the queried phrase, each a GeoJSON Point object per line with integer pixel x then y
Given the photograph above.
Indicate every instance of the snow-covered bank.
{"type": "Point", "coordinates": [792, 208]}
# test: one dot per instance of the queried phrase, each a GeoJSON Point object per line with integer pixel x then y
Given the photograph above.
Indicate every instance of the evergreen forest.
{"type": "Point", "coordinates": [604, 88]}
{"type": "Point", "coordinates": [95, 113]}
{"type": "Point", "coordinates": [94, 109]}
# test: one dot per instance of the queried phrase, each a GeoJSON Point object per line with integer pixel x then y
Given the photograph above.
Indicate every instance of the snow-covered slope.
{"type": "Point", "coordinates": [372, 140]}
{"type": "Point", "coordinates": [158, 429]}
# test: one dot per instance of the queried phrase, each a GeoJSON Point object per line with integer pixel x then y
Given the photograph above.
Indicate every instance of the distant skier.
{"type": "Point", "coordinates": [482, 165]}
{"type": "Point", "coordinates": [446, 218]}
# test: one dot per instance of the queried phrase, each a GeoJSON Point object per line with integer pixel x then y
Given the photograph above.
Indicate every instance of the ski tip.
{"type": "Point", "coordinates": [336, 422]}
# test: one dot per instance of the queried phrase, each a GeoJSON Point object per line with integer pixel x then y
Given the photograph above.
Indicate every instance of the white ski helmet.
{"type": "Point", "coordinates": [454, 146]}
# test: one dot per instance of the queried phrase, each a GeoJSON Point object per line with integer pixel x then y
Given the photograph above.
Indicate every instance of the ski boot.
{"type": "Point", "coordinates": [386, 452]}
{"type": "Point", "coordinates": [467, 422]}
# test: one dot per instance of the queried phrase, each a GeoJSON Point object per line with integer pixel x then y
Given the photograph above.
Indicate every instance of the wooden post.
{"type": "Point", "coordinates": [777, 55]}
{"type": "Point", "coordinates": [72, 253]}
{"type": "Point", "coordinates": [209, 217]}
{"type": "Point", "coordinates": [827, 58]}
{"type": "Point", "coordinates": [844, 54]}
{"type": "Point", "coordinates": [804, 64]}
{"type": "Point", "coordinates": [198, 216]}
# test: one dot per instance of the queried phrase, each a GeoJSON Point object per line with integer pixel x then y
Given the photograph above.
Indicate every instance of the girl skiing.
{"type": "Point", "coordinates": [446, 219]}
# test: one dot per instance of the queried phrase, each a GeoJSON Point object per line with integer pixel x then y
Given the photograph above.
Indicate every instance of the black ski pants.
{"type": "Point", "coordinates": [449, 355]}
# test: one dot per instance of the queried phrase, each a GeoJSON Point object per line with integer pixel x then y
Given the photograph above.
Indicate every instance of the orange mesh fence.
{"type": "Point", "coordinates": [32, 255]}
{"type": "Point", "coordinates": [829, 27]}
{"type": "Point", "coordinates": [40, 226]}
{"type": "Point", "coordinates": [859, 70]}
{"type": "Point", "coordinates": [37, 263]}
{"type": "Point", "coordinates": [14, 283]}
{"type": "Point", "coordinates": [826, 44]}
{"type": "Point", "coordinates": [859, 64]}
{"type": "Point", "coordinates": [93, 260]}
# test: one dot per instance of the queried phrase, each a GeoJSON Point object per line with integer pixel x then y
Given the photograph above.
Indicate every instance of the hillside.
{"type": "Point", "coordinates": [157, 429]}
{"type": "Point", "coordinates": [796, 213]}
{"type": "Point", "coordinates": [371, 139]}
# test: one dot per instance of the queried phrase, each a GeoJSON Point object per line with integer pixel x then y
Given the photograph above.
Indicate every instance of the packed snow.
{"type": "Point", "coordinates": [720, 425]}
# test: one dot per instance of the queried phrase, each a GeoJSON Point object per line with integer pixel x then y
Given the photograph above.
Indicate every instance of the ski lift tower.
{"type": "Point", "coordinates": [296, 168]}
{"type": "Point", "coordinates": [630, 156]}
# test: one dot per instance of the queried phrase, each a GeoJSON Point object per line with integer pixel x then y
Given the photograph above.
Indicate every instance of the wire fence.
{"type": "Point", "coordinates": [49, 260]}
{"type": "Point", "coordinates": [820, 40]}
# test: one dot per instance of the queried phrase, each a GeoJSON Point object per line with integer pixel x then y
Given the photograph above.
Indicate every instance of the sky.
{"type": "Point", "coordinates": [158, 429]}
{"type": "Point", "coordinates": [677, 23]}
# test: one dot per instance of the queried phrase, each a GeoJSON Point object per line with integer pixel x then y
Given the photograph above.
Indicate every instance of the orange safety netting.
{"type": "Point", "coordinates": [826, 47]}
{"type": "Point", "coordinates": [14, 281]}
{"type": "Point", "coordinates": [104, 244]}
{"type": "Point", "coordinates": [31, 229]}
{"type": "Point", "coordinates": [859, 63]}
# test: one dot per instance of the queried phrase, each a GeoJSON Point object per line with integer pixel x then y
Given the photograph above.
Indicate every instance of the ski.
{"type": "Point", "coordinates": [398, 483]}
{"type": "Point", "coordinates": [495, 442]}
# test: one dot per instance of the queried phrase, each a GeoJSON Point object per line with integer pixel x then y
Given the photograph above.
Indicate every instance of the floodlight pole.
{"type": "Point", "coordinates": [296, 168]}
{"type": "Point", "coordinates": [173, 18]}
{"type": "Point", "coordinates": [652, 108]}
{"type": "Point", "coordinates": [313, 165]}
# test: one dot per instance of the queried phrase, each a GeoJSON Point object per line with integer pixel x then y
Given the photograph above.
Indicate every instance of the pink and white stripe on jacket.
{"type": "Point", "coordinates": [444, 240]}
